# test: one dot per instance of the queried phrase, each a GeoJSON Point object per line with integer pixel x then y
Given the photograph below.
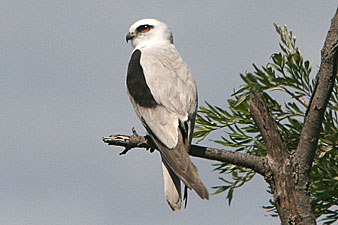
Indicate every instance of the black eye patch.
{"type": "Point", "coordinates": [144, 28]}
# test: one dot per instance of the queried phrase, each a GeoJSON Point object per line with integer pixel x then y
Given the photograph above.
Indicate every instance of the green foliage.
{"type": "Point", "coordinates": [285, 79]}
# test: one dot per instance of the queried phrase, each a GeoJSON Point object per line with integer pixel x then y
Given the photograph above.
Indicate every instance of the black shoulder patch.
{"type": "Point", "coordinates": [136, 82]}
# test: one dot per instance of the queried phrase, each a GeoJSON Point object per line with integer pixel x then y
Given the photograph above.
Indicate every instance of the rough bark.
{"type": "Point", "coordinates": [282, 179]}
{"type": "Point", "coordinates": [309, 136]}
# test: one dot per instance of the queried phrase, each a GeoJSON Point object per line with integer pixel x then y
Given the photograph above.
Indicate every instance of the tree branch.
{"type": "Point", "coordinates": [253, 162]}
{"type": "Point", "coordinates": [268, 127]}
{"type": "Point", "coordinates": [310, 133]}
{"type": "Point", "coordinates": [278, 158]}
{"type": "Point", "coordinates": [326, 79]}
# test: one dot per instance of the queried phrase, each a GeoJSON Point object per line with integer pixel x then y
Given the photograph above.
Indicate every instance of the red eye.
{"type": "Point", "coordinates": [146, 29]}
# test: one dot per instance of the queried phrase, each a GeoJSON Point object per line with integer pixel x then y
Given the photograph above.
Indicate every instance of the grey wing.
{"type": "Point", "coordinates": [173, 88]}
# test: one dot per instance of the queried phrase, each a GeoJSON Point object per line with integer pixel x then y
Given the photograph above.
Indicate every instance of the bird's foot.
{"type": "Point", "coordinates": [125, 151]}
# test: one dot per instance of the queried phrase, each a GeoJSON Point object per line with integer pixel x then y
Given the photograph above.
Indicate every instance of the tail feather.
{"type": "Point", "coordinates": [179, 163]}
{"type": "Point", "coordinates": [172, 187]}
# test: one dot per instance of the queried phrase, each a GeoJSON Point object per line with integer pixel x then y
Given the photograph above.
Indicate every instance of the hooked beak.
{"type": "Point", "coordinates": [130, 36]}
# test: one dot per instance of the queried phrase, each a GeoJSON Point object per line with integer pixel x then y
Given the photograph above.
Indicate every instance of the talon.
{"type": "Point", "coordinates": [124, 151]}
{"type": "Point", "coordinates": [134, 131]}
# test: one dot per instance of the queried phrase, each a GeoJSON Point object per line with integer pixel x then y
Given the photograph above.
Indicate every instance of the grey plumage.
{"type": "Point", "coordinates": [164, 95]}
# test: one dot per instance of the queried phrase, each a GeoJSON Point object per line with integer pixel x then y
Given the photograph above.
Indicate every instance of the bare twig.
{"type": "Point", "coordinates": [253, 162]}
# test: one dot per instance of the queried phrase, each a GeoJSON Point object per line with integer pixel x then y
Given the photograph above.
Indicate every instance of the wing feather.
{"type": "Point", "coordinates": [173, 87]}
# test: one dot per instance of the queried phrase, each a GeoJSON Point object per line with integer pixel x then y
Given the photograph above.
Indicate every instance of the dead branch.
{"type": "Point", "coordinates": [253, 162]}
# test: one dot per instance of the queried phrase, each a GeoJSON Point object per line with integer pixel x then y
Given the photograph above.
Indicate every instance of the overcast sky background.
{"type": "Point", "coordinates": [62, 76]}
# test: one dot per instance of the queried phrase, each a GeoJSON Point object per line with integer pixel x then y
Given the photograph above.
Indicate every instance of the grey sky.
{"type": "Point", "coordinates": [62, 76]}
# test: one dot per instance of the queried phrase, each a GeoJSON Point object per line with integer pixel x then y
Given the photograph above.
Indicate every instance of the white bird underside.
{"type": "Point", "coordinates": [163, 92]}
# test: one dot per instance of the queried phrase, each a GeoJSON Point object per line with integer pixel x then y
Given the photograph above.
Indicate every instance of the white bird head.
{"type": "Point", "coordinates": [149, 31]}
